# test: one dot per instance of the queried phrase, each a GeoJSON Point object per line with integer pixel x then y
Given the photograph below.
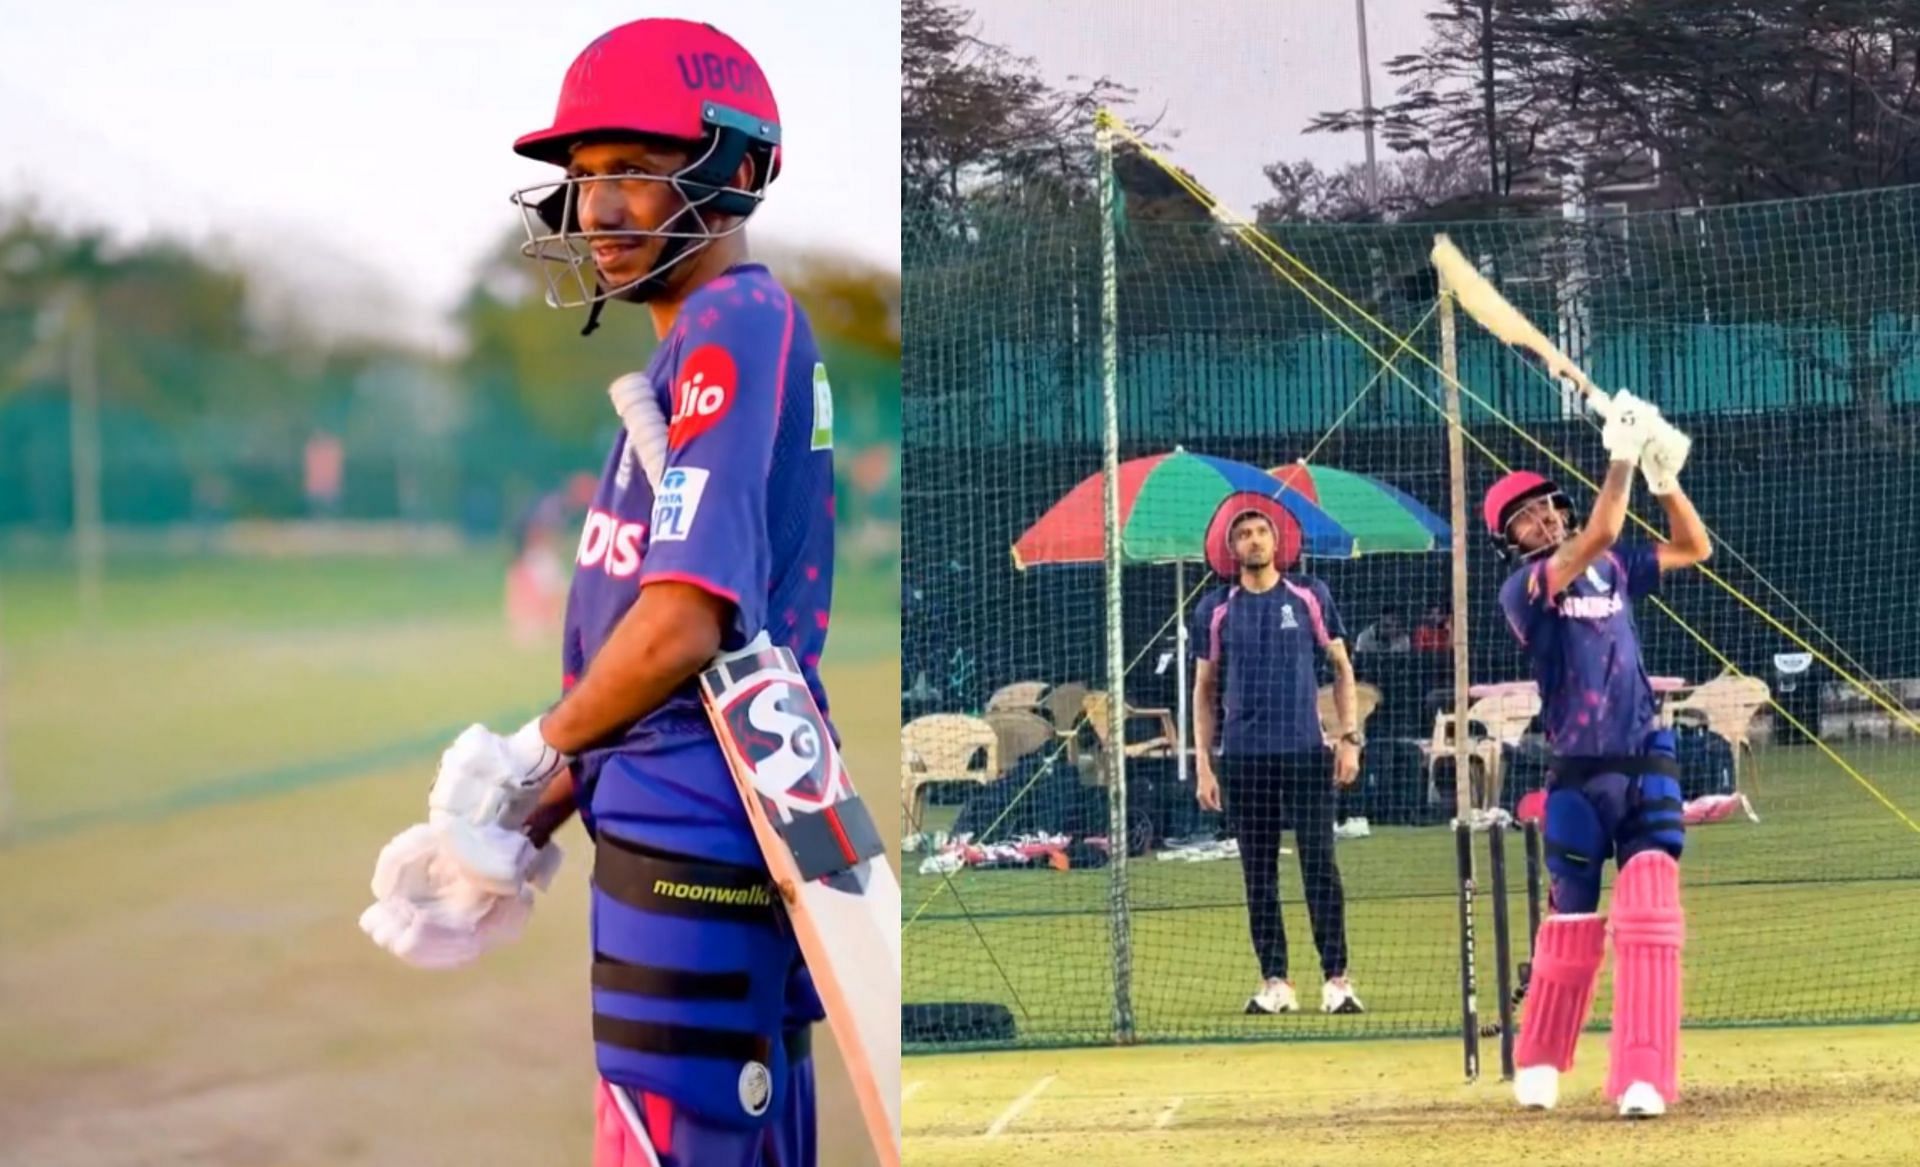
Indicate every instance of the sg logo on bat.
{"type": "Point", "coordinates": [783, 738]}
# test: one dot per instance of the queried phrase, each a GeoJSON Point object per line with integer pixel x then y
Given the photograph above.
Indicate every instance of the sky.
{"type": "Point", "coordinates": [359, 153]}
{"type": "Point", "coordinates": [1239, 79]}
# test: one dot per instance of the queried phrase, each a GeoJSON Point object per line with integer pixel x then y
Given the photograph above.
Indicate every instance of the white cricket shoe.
{"type": "Point", "coordinates": [1641, 1100]}
{"type": "Point", "coordinates": [1275, 996]}
{"type": "Point", "coordinates": [1537, 1087]}
{"type": "Point", "coordinates": [1337, 996]}
{"type": "Point", "coordinates": [1353, 828]}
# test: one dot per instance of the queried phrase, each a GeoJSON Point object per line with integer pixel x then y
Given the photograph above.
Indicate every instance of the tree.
{"type": "Point", "coordinates": [1722, 104]}
{"type": "Point", "coordinates": [973, 114]}
{"type": "Point", "coordinates": [1740, 101]}
{"type": "Point", "coordinates": [1480, 88]}
{"type": "Point", "coordinates": [1776, 101]}
{"type": "Point", "coordinates": [1409, 185]}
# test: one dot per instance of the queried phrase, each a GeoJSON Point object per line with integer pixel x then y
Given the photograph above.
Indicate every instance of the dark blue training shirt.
{"type": "Point", "coordinates": [1262, 645]}
{"type": "Point", "coordinates": [1595, 699]}
{"type": "Point", "coordinates": [745, 512]}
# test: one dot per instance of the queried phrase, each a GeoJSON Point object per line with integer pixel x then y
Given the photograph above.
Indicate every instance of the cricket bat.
{"type": "Point", "coordinates": [827, 860]}
{"type": "Point", "coordinates": [1484, 303]}
{"type": "Point", "coordinates": [818, 838]}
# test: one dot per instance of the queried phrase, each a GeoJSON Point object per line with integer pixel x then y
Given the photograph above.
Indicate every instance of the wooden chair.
{"type": "Point", "coordinates": [1020, 733]}
{"type": "Point", "coordinates": [1161, 745]}
{"type": "Point", "coordinates": [1728, 704]}
{"type": "Point", "coordinates": [1366, 699]}
{"type": "Point", "coordinates": [1063, 705]}
{"type": "Point", "coordinates": [1029, 696]}
{"type": "Point", "coordinates": [944, 747]}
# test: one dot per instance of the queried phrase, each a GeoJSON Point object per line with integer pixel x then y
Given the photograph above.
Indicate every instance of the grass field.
{"type": "Point", "coordinates": [199, 787]}
{"type": "Point", "coordinates": [1806, 917]}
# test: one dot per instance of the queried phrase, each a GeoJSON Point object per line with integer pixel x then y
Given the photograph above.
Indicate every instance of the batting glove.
{"type": "Point", "coordinates": [486, 788]}
{"type": "Point", "coordinates": [430, 913]}
{"type": "Point", "coordinates": [1663, 456]}
{"type": "Point", "coordinates": [1630, 425]}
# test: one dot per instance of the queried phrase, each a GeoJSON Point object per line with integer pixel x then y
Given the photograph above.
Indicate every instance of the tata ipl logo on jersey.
{"type": "Point", "coordinates": [677, 503]}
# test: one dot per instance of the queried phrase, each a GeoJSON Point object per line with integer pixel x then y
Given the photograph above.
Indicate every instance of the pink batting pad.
{"type": "Point", "coordinates": [1566, 966]}
{"type": "Point", "coordinates": [1532, 808]}
{"type": "Point", "coordinates": [1649, 930]}
{"type": "Point", "coordinates": [621, 1132]}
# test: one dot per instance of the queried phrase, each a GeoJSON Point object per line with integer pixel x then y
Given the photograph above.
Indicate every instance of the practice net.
{"type": "Point", "coordinates": [1781, 336]}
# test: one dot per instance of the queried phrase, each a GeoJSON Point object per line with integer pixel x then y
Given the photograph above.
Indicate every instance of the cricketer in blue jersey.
{"type": "Point", "coordinates": [1259, 641]}
{"type": "Point", "coordinates": [702, 1006]}
{"type": "Point", "coordinates": [1614, 791]}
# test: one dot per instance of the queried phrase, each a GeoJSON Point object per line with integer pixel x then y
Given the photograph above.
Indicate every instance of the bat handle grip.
{"type": "Point", "coordinates": [1597, 398]}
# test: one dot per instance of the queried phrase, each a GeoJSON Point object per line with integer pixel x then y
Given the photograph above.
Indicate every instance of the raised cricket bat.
{"type": "Point", "coordinates": [818, 838]}
{"type": "Point", "coordinates": [1484, 303]}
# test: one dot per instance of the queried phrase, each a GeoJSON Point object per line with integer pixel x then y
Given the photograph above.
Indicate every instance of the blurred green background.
{"type": "Point", "coordinates": [254, 576]}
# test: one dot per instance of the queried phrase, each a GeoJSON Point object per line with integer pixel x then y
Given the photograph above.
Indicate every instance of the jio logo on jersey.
{"type": "Point", "coordinates": [610, 544]}
{"type": "Point", "coordinates": [702, 394]}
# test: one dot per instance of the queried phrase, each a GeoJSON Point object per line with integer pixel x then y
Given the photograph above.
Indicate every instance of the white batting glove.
{"type": "Point", "coordinates": [427, 910]}
{"type": "Point", "coordinates": [1663, 456]}
{"type": "Point", "coordinates": [486, 788]}
{"type": "Point", "coordinates": [417, 936]}
{"type": "Point", "coordinates": [1630, 425]}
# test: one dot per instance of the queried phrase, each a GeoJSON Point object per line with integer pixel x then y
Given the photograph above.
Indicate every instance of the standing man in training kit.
{"type": "Point", "coordinates": [1257, 643]}
{"type": "Point", "coordinates": [702, 1005]}
{"type": "Point", "coordinates": [1614, 790]}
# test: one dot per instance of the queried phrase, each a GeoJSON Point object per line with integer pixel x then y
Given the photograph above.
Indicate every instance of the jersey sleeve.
{"type": "Point", "coordinates": [1524, 600]}
{"type": "Point", "coordinates": [1205, 632]}
{"type": "Point", "coordinates": [709, 525]}
{"type": "Point", "coordinates": [1639, 568]}
{"type": "Point", "coordinates": [1329, 611]}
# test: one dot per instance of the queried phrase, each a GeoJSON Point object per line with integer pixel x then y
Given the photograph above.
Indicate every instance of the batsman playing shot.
{"type": "Point", "coordinates": [710, 536]}
{"type": "Point", "coordinates": [1614, 790]}
{"type": "Point", "coordinates": [1258, 639]}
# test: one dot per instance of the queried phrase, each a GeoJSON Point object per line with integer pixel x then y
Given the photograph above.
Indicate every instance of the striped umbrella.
{"type": "Point", "coordinates": [1166, 501]}
{"type": "Point", "coordinates": [1381, 518]}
